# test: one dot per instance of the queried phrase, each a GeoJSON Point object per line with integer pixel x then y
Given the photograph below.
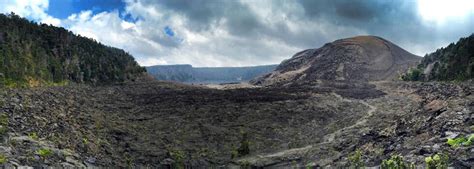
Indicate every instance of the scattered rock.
{"type": "Point", "coordinates": [110, 125]}
{"type": "Point", "coordinates": [451, 135]}
{"type": "Point", "coordinates": [435, 106]}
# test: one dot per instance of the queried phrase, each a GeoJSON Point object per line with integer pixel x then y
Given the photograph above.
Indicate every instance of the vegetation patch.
{"type": "Point", "coordinates": [397, 162]}
{"type": "Point", "coordinates": [3, 124]}
{"type": "Point", "coordinates": [44, 152]}
{"type": "Point", "coordinates": [178, 156]}
{"type": "Point", "coordinates": [437, 161]}
{"type": "Point", "coordinates": [414, 74]}
{"type": "Point", "coordinates": [461, 141]}
{"type": "Point", "coordinates": [355, 159]}
{"type": "Point", "coordinates": [3, 159]}
{"type": "Point", "coordinates": [33, 136]}
{"type": "Point", "coordinates": [244, 148]}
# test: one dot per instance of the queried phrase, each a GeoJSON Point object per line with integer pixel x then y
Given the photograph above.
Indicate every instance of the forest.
{"type": "Point", "coordinates": [452, 63]}
{"type": "Point", "coordinates": [34, 54]}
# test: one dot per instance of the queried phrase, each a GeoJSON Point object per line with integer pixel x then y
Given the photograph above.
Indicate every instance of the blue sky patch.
{"type": "Point", "coordinates": [129, 18]}
{"type": "Point", "coordinates": [63, 8]}
{"type": "Point", "coordinates": [169, 31]}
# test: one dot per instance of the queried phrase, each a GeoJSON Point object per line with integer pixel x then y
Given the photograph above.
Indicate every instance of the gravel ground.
{"type": "Point", "coordinates": [157, 124]}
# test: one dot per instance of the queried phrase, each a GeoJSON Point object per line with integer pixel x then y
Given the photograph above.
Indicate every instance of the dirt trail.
{"type": "Point", "coordinates": [292, 154]}
{"type": "Point", "coordinates": [363, 120]}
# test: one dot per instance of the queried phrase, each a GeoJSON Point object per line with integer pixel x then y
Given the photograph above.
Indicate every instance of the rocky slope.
{"type": "Point", "coordinates": [208, 75]}
{"type": "Point", "coordinates": [37, 55]}
{"type": "Point", "coordinates": [361, 58]}
{"type": "Point", "coordinates": [454, 62]}
{"type": "Point", "coordinates": [158, 124]}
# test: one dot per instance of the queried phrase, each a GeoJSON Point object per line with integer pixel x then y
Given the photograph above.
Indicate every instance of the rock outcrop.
{"type": "Point", "coordinates": [361, 58]}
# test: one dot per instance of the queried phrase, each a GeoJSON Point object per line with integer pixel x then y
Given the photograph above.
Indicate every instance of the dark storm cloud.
{"type": "Point", "coordinates": [252, 32]}
{"type": "Point", "coordinates": [374, 16]}
{"type": "Point", "coordinates": [358, 10]}
{"type": "Point", "coordinates": [382, 18]}
{"type": "Point", "coordinates": [202, 14]}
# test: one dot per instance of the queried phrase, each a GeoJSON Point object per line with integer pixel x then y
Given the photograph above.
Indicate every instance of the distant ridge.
{"type": "Point", "coordinates": [209, 75]}
{"type": "Point", "coordinates": [361, 58]}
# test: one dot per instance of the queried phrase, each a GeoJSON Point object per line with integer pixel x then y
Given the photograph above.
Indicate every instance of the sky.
{"type": "Point", "coordinates": [249, 32]}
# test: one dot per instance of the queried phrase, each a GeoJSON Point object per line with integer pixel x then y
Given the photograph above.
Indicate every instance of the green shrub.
{"type": "Point", "coordinates": [85, 141]}
{"type": "Point", "coordinates": [3, 124]}
{"type": "Point", "coordinates": [413, 74]}
{"type": "Point", "coordinates": [438, 161]}
{"type": "Point", "coordinates": [178, 156]}
{"type": "Point", "coordinates": [44, 152]}
{"type": "Point", "coordinates": [3, 130]}
{"type": "Point", "coordinates": [3, 159]}
{"type": "Point", "coordinates": [461, 141]}
{"type": "Point", "coordinates": [244, 148]}
{"type": "Point", "coordinates": [396, 162]}
{"type": "Point", "coordinates": [470, 140]}
{"type": "Point", "coordinates": [4, 120]}
{"type": "Point", "coordinates": [244, 164]}
{"type": "Point", "coordinates": [33, 136]}
{"type": "Point", "coordinates": [234, 153]}
{"type": "Point", "coordinates": [355, 159]}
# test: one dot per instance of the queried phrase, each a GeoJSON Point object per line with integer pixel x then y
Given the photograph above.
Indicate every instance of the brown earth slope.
{"type": "Point", "coordinates": [361, 58]}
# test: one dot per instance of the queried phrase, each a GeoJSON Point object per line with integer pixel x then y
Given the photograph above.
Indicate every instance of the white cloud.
{"type": "Point", "coordinates": [238, 33]}
{"type": "Point", "coordinates": [215, 46]}
{"type": "Point", "coordinates": [151, 61]}
{"type": "Point", "coordinates": [148, 42]}
{"type": "Point", "coordinates": [32, 9]}
{"type": "Point", "coordinates": [110, 29]}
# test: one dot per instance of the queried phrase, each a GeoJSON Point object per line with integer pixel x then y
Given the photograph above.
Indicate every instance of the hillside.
{"type": "Point", "coordinates": [454, 62]}
{"type": "Point", "coordinates": [35, 55]}
{"type": "Point", "coordinates": [361, 58]}
{"type": "Point", "coordinates": [210, 75]}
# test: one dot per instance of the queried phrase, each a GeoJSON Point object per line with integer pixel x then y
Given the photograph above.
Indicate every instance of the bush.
{"type": "Point", "coordinates": [3, 124]}
{"type": "Point", "coordinates": [4, 120]}
{"type": "Point", "coordinates": [44, 152]}
{"type": "Point", "coordinates": [33, 136]}
{"type": "Point", "coordinates": [356, 159]}
{"type": "Point", "coordinates": [244, 148]}
{"type": "Point", "coordinates": [461, 141]}
{"type": "Point", "coordinates": [178, 157]}
{"type": "Point", "coordinates": [396, 162]}
{"type": "Point", "coordinates": [414, 74]}
{"type": "Point", "coordinates": [437, 161]}
{"type": "Point", "coordinates": [234, 153]}
{"type": "Point", "coordinates": [3, 159]}
{"type": "Point", "coordinates": [470, 140]}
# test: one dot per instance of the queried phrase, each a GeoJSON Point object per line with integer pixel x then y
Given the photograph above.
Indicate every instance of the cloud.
{"type": "Point", "coordinates": [110, 29]}
{"type": "Point", "coordinates": [32, 9]}
{"type": "Point", "coordinates": [229, 33]}
{"type": "Point", "coordinates": [248, 32]}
